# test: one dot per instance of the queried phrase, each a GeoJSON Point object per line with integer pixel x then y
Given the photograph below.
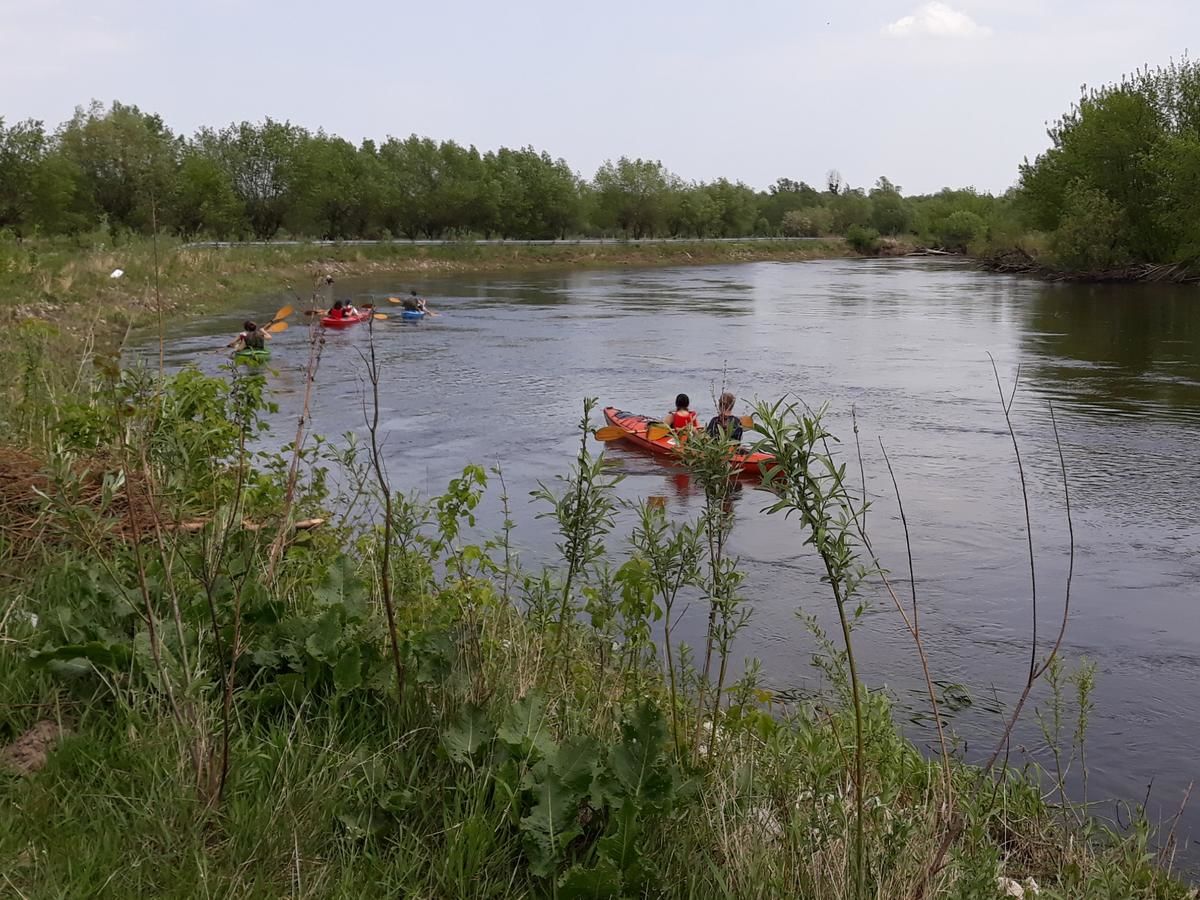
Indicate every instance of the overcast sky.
{"type": "Point", "coordinates": [928, 93]}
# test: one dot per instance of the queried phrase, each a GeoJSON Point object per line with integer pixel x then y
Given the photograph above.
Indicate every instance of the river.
{"type": "Point", "coordinates": [499, 378]}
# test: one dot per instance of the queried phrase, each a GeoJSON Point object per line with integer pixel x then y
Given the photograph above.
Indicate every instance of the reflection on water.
{"type": "Point", "coordinates": [500, 376]}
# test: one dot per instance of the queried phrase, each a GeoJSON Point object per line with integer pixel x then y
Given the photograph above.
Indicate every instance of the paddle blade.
{"type": "Point", "coordinates": [609, 433]}
{"type": "Point", "coordinates": [657, 432]}
{"type": "Point", "coordinates": [747, 422]}
{"type": "Point", "coordinates": [379, 317]}
{"type": "Point", "coordinates": [315, 312]}
{"type": "Point", "coordinates": [276, 327]}
{"type": "Point", "coordinates": [394, 300]}
{"type": "Point", "coordinates": [282, 314]}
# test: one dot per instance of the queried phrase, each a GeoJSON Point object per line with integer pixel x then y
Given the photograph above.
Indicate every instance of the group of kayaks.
{"type": "Point", "coordinates": [262, 354]}
{"type": "Point", "coordinates": [650, 435]}
{"type": "Point", "coordinates": [347, 321]}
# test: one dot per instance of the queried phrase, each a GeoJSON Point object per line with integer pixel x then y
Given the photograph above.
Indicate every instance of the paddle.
{"type": "Point", "coordinates": [610, 433]}
{"type": "Point", "coordinates": [276, 327]}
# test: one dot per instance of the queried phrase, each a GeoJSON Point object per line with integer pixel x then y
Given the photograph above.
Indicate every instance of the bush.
{"type": "Point", "coordinates": [960, 229]}
{"type": "Point", "coordinates": [1088, 238]}
{"type": "Point", "coordinates": [863, 239]}
{"type": "Point", "coordinates": [813, 221]}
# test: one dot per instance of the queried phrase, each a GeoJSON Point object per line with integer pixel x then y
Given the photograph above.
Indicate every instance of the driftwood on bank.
{"type": "Point", "coordinates": [1019, 262]}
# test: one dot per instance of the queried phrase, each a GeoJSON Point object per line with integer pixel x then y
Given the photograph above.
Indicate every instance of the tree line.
{"type": "Point", "coordinates": [122, 169]}
{"type": "Point", "coordinates": [1119, 185]}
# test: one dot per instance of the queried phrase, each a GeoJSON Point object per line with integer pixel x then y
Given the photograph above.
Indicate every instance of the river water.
{"type": "Point", "coordinates": [500, 376]}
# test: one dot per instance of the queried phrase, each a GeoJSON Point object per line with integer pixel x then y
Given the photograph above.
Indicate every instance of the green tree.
{"type": "Point", "coordinates": [126, 161]}
{"type": "Point", "coordinates": [260, 161]}
{"type": "Point", "coordinates": [36, 183]}
{"type": "Point", "coordinates": [203, 200]}
{"type": "Point", "coordinates": [890, 212]}
{"type": "Point", "coordinates": [850, 207]}
{"type": "Point", "coordinates": [631, 196]}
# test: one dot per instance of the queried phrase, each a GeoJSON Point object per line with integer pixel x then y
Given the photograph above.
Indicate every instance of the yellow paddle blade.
{"type": "Point", "coordinates": [282, 314]}
{"type": "Point", "coordinates": [315, 312]}
{"type": "Point", "coordinates": [379, 317]}
{"type": "Point", "coordinates": [609, 433]}
{"type": "Point", "coordinates": [747, 422]}
{"type": "Point", "coordinates": [276, 327]}
{"type": "Point", "coordinates": [658, 433]}
{"type": "Point", "coordinates": [394, 300]}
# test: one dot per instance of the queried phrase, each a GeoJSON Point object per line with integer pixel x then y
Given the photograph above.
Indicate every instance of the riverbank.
{"type": "Point", "coordinates": [68, 282]}
{"type": "Point", "coordinates": [265, 713]}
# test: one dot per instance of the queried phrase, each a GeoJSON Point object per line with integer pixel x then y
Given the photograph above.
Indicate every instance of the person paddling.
{"type": "Point", "coordinates": [682, 416]}
{"type": "Point", "coordinates": [251, 338]}
{"type": "Point", "coordinates": [725, 424]}
{"type": "Point", "coordinates": [414, 303]}
{"type": "Point", "coordinates": [338, 312]}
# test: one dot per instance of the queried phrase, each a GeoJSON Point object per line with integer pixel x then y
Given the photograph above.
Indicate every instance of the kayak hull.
{"type": "Point", "coordinates": [344, 322]}
{"type": "Point", "coordinates": [412, 314]}
{"type": "Point", "coordinates": [636, 428]}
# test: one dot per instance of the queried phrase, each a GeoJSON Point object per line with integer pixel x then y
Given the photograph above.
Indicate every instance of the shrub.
{"type": "Point", "coordinates": [863, 239]}
{"type": "Point", "coordinates": [960, 229]}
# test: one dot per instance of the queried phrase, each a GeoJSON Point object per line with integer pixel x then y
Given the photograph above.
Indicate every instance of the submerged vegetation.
{"type": "Point", "coordinates": [195, 690]}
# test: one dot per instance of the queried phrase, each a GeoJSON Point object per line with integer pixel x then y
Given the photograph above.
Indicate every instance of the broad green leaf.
{"type": "Point", "coordinates": [635, 760]}
{"type": "Point", "coordinates": [574, 763]}
{"type": "Point", "coordinates": [343, 587]}
{"type": "Point", "coordinates": [102, 655]}
{"type": "Point", "coordinates": [601, 882]}
{"type": "Point", "coordinates": [347, 674]}
{"type": "Point", "coordinates": [525, 727]}
{"type": "Point", "coordinates": [322, 643]}
{"type": "Point", "coordinates": [551, 825]}
{"type": "Point", "coordinates": [469, 731]}
{"type": "Point", "coordinates": [620, 845]}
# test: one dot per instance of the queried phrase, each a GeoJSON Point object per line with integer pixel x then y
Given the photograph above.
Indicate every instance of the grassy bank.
{"type": "Point", "coordinates": [199, 697]}
{"type": "Point", "coordinates": [61, 279]}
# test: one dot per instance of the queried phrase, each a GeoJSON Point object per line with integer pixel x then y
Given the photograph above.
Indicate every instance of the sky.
{"type": "Point", "coordinates": [925, 92]}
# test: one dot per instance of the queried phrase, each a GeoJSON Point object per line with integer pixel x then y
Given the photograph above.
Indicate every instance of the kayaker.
{"type": "Point", "coordinates": [349, 310]}
{"type": "Point", "coordinates": [682, 417]}
{"type": "Point", "coordinates": [251, 338]}
{"type": "Point", "coordinates": [337, 312]}
{"type": "Point", "coordinates": [414, 303]}
{"type": "Point", "coordinates": [725, 424]}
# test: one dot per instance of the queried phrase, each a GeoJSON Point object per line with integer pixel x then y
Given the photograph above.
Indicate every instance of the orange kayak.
{"type": "Point", "coordinates": [636, 430]}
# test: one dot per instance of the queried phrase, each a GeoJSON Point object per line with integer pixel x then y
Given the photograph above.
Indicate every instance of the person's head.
{"type": "Point", "coordinates": [337, 304]}
{"type": "Point", "coordinates": [249, 326]}
{"type": "Point", "coordinates": [414, 293]}
{"type": "Point", "coordinates": [682, 401]}
{"type": "Point", "coordinates": [725, 404]}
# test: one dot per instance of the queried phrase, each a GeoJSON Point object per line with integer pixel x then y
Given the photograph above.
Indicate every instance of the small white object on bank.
{"type": "Point", "coordinates": [117, 273]}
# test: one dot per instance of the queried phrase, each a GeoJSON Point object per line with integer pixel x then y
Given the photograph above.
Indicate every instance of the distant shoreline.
{"type": "Point", "coordinates": [59, 282]}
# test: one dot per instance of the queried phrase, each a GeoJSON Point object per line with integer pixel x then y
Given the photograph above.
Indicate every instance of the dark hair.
{"type": "Point", "coordinates": [248, 326]}
{"type": "Point", "coordinates": [682, 401]}
{"type": "Point", "coordinates": [337, 304]}
{"type": "Point", "coordinates": [414, 293]}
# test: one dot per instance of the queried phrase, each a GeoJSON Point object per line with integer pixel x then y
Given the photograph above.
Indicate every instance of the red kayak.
{"type": "Point", "coordinates": [344, 321]}
{"type": "Point", "coordinates": [636, 430]}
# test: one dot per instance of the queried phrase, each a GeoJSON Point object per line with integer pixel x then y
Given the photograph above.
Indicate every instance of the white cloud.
{"type": "Point", "coordinates": [939, 20]}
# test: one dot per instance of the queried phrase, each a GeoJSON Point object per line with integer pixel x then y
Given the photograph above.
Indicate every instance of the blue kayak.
{"type": "Point", "coordinates": [412, 314]}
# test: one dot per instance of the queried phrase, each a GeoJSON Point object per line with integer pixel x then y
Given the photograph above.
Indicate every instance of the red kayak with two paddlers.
{"type": "Point", "coordinates": [651, 435]}
{"type": "Point", "coordinates": [344, 321]}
